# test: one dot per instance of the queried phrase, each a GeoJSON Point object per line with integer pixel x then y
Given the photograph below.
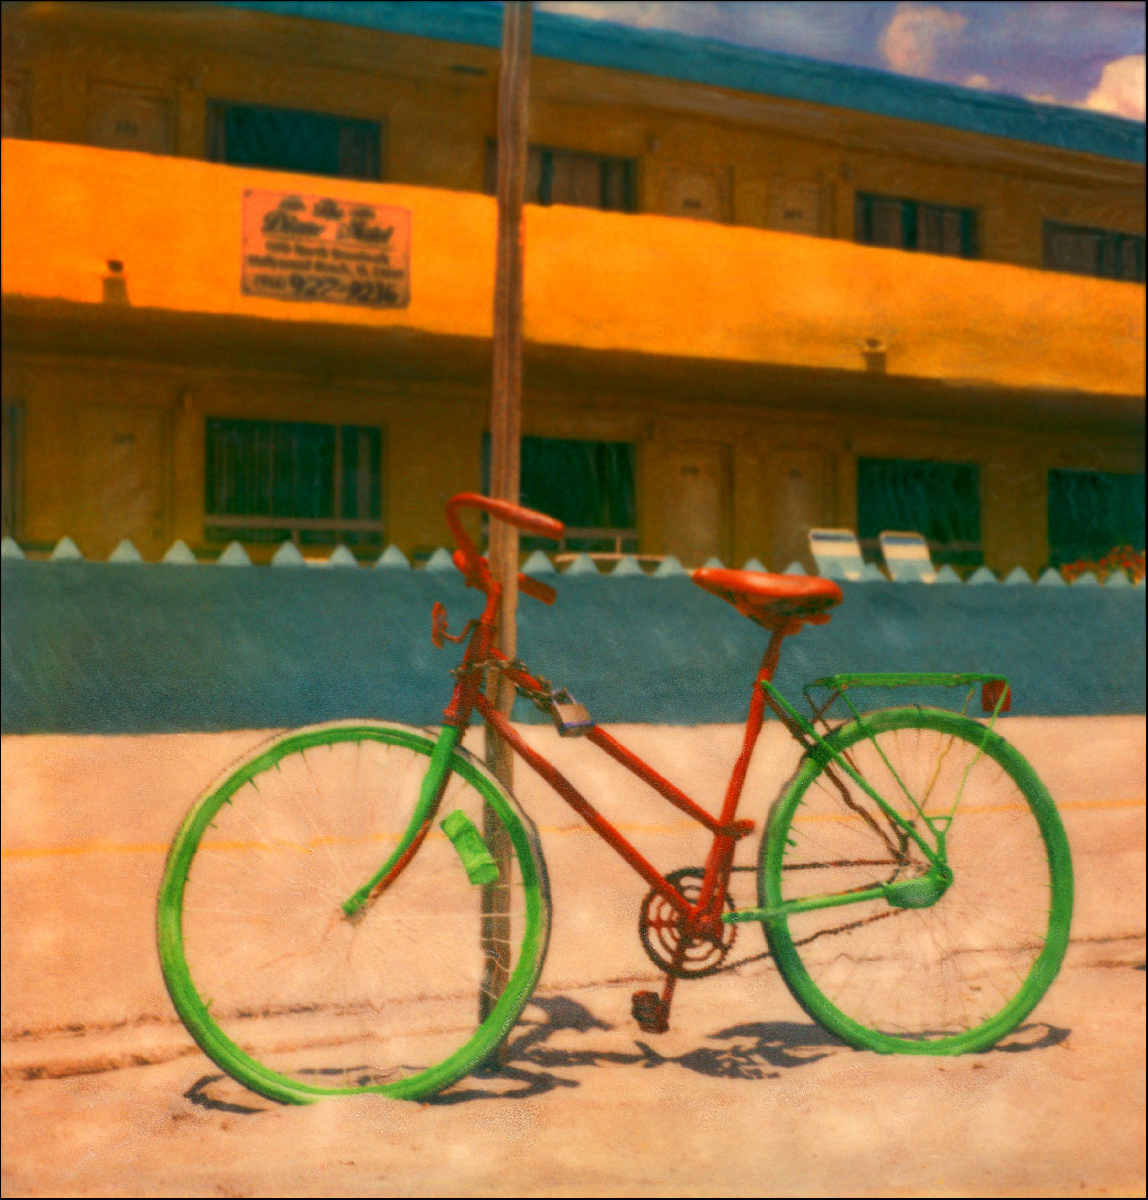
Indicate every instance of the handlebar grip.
{"type": "Point", "coordinates": [537, 589]}
{"type": "Point", "coordinates": [477, 574]}
{"type": "Point", "coordinates": [475, 568]}
{"type": "Point", "coordinates": [525, 519]}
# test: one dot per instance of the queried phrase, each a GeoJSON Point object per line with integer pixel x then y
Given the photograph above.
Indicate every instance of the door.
{"type": "Point", "coordinates": [698, 192]}
{"type": "Point", "coordinates": [797, 207]}
{"type": "Point", "coordinates": [119, 481]}
{"type": "Point", "coordinates": [697, 502]}
{"type": "Point", "coordinates": [799, 486]}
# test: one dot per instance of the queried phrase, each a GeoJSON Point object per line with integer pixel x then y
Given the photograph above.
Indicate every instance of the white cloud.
{"type": "Point", "coordinates": [1121, 89]}
{"type": "Point", "coordinates": [817, 30]}
{"type": "Point", "coordinates": [639, 14]}
{"type": "Point", "coordinates": [918, 35]}
{"type": "Point", "coordinates": [977, 80]}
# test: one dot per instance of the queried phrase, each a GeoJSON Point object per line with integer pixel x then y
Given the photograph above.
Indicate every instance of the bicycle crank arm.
{"type": "Point", "coordinates": [922, 892]}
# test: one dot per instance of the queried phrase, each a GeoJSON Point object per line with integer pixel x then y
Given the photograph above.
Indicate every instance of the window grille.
{"type": "Point", "coordinates": [588, 486]}
{"type": "Point", "coordinates": [1083, 251]}
{"type": "Point", "coordinates": [1092, 512]}
{"type": "Point", "coordinates": [913, 225]}
{"type": "Point", "coordinates": [270, 481]}
{"type": "Point", "coordinates": [939, 500]}
{"type": "Point", "coordinates": [286, 139]}
{"type": "Point", "coordinates": [571, 177]}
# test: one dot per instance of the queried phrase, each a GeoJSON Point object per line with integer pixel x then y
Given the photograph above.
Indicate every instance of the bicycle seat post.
{"type": "Point", "coordinates": [756, 715]}
{"type": "Point", "coordinates": [723, 847]}
{"type": "Point", "coordinates": [772, 653]}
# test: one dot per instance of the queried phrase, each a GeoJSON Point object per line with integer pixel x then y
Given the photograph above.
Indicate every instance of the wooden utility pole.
{"type": "Point", "coordinates": [505, 440]}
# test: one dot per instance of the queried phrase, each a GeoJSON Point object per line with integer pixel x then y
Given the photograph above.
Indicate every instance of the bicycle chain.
{"type": "Point", "coordinates": [542, 699]}
{"type": "Point", "coordinates": [741, 962]}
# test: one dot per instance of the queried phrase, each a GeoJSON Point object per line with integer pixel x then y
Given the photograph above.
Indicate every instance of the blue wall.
{"type": "Point", "coordinates": [110, 648]}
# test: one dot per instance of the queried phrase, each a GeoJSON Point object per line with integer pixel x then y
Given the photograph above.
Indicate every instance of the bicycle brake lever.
{"type": "Point", "coordinates": [537, 589]}
{"type": "Point", "coordinates": [439, 627]}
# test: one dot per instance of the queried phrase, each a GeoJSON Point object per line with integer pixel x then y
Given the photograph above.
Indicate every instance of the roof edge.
{"type": "Point", "coordinates": [707, 62]}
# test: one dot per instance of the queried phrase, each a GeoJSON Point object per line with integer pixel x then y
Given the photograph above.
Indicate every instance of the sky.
{"type": "Point", "coordinates": [1077, 53]}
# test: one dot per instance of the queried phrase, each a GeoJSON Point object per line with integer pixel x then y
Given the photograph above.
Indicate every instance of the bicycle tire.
{"type": "Point", "coordinates": [282, 990]}
{"type": "Point", "coordinates": [954, 976]}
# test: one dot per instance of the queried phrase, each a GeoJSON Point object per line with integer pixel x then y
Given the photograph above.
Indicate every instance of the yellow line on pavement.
{"type": "Point", "coordinates": [81, 848]}
{"type": "Point", "coordinates": [1102, 804]}
{"type": "Point", "coordinates": [100, 847]}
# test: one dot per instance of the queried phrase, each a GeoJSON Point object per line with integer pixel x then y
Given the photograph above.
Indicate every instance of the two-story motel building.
{"type": "Point", "coordinates": [248, 262]}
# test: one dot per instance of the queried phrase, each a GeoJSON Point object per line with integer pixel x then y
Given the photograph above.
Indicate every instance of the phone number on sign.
{"type": "Point", "coordinates": [326, 287]}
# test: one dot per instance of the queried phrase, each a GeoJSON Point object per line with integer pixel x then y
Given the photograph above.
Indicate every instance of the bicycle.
{"type": "Point", "coordinates": [322, 931]}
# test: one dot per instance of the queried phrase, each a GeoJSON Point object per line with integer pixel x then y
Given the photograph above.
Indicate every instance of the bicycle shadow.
{"type": "Point", "coordinates": [1025, 1038]}
{"type": "Point", "coordinates": [753, 1051]}
{"type": "Point", "coordinates": [749, 1051]}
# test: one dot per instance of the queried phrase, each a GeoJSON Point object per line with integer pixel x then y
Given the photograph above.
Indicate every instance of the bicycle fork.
{"type": "Point", "coordinates": [476, 859]}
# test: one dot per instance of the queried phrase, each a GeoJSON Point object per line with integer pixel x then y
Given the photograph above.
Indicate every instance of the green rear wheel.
{"type": "Point", "coordinates": [289, 995]}
{"type": "Point", "coordinates": [960, 971]}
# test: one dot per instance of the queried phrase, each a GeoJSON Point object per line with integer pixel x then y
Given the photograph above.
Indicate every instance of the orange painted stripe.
{"type": "Point", "coordinates": [31, 852]}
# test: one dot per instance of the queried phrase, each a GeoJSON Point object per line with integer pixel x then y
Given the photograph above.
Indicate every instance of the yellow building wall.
{"type": "Point", "coordinates": [662, 291]}
{"type": "Point", "coordinates": [788, 468]}
{"type": "Point", "coordinates": [657, 286]}
{"type": "Point", "coordinates": [646, 285]}
{"type": "Point", "coordinates": [437, 103]}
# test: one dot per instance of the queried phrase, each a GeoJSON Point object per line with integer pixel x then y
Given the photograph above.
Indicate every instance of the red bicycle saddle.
{"type": "Point", "coordinates": [774, 601]}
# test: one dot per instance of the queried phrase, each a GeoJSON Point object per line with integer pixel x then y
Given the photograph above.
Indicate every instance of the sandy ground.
{"type": "Point", "coordinates": [104, 1093]}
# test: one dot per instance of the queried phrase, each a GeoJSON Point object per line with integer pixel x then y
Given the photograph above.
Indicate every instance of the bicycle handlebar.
{"type": "Point", "coordinates": [473, 565]}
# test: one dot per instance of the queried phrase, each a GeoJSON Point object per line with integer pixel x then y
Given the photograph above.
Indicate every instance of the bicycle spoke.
{"type": "Point", "coordinates": [301, 993]}
{"type": "Point", "coordinates": [960, 969]}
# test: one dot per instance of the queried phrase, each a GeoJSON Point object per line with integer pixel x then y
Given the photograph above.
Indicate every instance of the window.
{"type": "Point", "coordinates": [939, 500]}
{"type": "Point", "coordinates": [1091, 512]}
{"type": "Point", "coordinates": [286, 139]}
{"type": "Point", "coordinates": [1083, 251]}
{"type": "Point", "coordinates": [570, 177]}
{"type": "Point", "coordinates": [911, 225]}
{"type": "Point", "coordinates": [268, 481]}
{"type": "Point", "coordinates": [12, 481]}
{"type": "Point", "coordinates": [588, 486]}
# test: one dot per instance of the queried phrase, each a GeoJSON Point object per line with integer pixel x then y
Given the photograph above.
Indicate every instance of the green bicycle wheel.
{"type": "Point", "coordinates": [293, 998]}
{"type": "Point", "coordinates": [958, 973]}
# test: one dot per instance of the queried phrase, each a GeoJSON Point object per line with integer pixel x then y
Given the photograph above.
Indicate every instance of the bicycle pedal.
{"type": "Point", "coordinates": [650, 1011]}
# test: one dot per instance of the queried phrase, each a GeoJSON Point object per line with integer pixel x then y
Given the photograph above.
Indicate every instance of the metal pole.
{"type": "Point", "coordinates": [505, 439]}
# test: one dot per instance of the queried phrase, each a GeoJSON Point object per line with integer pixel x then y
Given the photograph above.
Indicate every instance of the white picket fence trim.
{"type": "Point", "coordinates": [906, 557]}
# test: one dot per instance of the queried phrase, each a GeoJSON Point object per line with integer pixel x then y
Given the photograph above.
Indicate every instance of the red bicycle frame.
{"type": "Point", "coordinates": [702, 918]}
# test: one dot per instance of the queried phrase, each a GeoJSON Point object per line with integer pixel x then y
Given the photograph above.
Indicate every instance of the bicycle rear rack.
{"type": "Point", "coordinates": [996, 694]}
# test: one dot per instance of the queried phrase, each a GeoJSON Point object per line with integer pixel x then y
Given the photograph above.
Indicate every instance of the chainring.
{"type": "Point", "coordinates": [660, 928]}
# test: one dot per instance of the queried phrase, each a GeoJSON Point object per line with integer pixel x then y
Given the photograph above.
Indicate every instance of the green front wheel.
{"type": "Point", "coordinates": [297, 1000]}
{"type": "Point", "coordinates": [943, 966]}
